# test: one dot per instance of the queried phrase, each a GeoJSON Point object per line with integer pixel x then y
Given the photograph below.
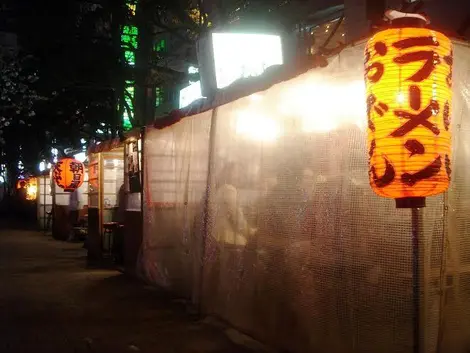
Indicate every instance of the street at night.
{"type": "Point", "coordinates": [51, 302]}
{"type": "Point", "coordinates": [235, 176]}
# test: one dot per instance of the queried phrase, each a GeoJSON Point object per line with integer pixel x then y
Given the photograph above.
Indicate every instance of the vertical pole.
{"type": "Point", "coordinates": [100, 197]}
{"type": "Point", "coordinates": [205, 224]}
{"type": "Point", "coordinates": [44, 206]}
{"type": "Point", "coordinates": [143, 194]}
{"type": "Point", "coordinates": [418, 281]}
{"type": "Point", "coordinates": [141, 160]}
{"type": "Point", "coordinates": [53, 189]}
{"type": "Point", "coordinates": [443, 272]}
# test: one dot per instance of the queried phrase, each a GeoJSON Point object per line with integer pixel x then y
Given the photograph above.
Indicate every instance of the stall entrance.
{"type": "Point", "coordinates": [106, 194]}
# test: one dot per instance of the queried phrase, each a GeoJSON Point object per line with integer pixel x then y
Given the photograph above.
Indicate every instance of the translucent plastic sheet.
{"type": "Point", "coordinates": [297, 250]}
{"type": "Point", "coordinates": [455, 318]}
{"type": "Point", "coordinates": [175, 181]}
{"type": "Point", "coordinates": [318, 260]}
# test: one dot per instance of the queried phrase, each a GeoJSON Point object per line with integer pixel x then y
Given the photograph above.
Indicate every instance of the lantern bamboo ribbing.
{"type": "Point", "coordinates": [68, 174]}
{"type": "Point", "coordinates": [408, 82]}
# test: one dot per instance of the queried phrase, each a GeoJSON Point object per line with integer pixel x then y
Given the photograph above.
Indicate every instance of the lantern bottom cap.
{"type": "Point", "coordinates": [411, 202]}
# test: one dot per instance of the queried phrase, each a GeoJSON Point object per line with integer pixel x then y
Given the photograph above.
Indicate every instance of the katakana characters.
{"type": "Point", "coordinates": [430, 57]}
{"type": "Point", "coordinates": [426, 173]}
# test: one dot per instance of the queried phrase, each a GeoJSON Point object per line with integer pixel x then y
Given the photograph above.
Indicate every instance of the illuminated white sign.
{"type": "Point", "coordinates": [190, 94]}
{"type": "Point", "coordinates": [239, 55]}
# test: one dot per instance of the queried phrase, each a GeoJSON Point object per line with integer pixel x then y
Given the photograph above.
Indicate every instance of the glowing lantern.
{"type": "Point", "coordinates": [31, 188]}
{"type": "Point", "coordinates": [408, 82]}
{"type": "Point", "coordinates": [68, 174]}
{"type": "Point", "coordinates": [20, 184]}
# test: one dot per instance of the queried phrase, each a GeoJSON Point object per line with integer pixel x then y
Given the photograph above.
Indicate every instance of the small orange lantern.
{"type": "Point", "coordinates": [31, 188]}
{"type": "Point", "coordinates": [68, 174]}
{"type": "Point", "coordinates": [409, 92]}
{"type": "Point", "coordinates": [21, 183]}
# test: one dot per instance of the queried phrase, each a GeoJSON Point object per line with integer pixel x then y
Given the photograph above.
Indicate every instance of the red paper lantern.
{"type": "Point", "coordinates": [409, 97]}
{"type": "Point", "coordinates": [68, 174]}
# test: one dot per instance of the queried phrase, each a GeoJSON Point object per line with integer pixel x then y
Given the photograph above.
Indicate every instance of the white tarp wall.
{"type": "Point", "coordinates": [175, 181]}
{"type": "Point", "coordinates": [298, 251]}
{"type": "Point", "coordinates": [455, 274]}
{"type": "Point", "coordinates": [113, 187]}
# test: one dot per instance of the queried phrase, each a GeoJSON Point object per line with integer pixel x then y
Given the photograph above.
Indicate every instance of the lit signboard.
{"type": "Point", "coordinates": [190, 94]}
{"type": "Point", "coordinates": [239, 55]}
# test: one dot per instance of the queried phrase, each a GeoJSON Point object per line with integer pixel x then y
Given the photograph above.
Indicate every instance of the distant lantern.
{"type": "Point", "coordinates": [408, 74]}
{"type": "Point", "coordinates": [31, 188]}
{"type": "Point", "coordinates": [20, 184]}
{"type": "Point", "coordinates": [68, 174]}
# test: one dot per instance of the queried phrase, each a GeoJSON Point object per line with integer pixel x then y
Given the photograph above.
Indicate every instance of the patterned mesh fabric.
{"type": "Point", "coordinates": [261, 212]}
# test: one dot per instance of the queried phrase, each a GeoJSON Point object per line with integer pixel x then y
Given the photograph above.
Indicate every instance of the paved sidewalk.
{"type": "Point", "coordinates": [50, 302]}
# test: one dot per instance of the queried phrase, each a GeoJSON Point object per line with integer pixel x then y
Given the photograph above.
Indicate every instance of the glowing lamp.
{"type": "Point", "coordinates": [31, 189]}
{"type": "Point", "coordinates": [21, 183]}
{"type": "Point", "coordinates": [408, 75]}
{"type": "Point", "coordinates": [68, 174]}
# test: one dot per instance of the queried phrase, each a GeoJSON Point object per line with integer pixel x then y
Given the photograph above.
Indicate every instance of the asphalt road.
{"type": "Point", "coordinates": [51, 302]}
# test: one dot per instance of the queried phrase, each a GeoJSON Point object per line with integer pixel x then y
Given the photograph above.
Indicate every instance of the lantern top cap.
{"type": "Point", "coordinates": [397, 17]}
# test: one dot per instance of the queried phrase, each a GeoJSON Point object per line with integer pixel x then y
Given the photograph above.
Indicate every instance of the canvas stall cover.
{"type": "Point", "coordinates": [297, 250]}
{"type": "Point", "coordinates": [175, 181]}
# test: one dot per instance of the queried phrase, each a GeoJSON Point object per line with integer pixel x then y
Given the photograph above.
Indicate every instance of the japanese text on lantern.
{"type": "Point", "coordinates": [408, 81]}
{"type": "Point", "coordinates": [76, 168]}
{"type": "Point", "coordinates": [58, 174]}
{"type": "Point", "coordinates": [69, 174]}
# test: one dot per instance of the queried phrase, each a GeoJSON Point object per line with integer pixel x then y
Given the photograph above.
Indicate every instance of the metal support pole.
{"type": "Point", "coordinates": [44, 206]}
{"type": "Point", "coordinates": [53, 190]}
{"type": "Point", "coordinates": [142, 165]}
{"type": "Point", "coordinates": [418, 280]}
{"type": "Point", "coordinates": [205, 226]}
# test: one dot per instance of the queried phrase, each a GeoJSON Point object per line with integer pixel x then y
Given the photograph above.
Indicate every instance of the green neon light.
{"type": "Point", "coordinates": [130, 57]}
{"type": "Point", "coordinates": [131, 30]}
{"type": "Point", "coordinates": [129, 43]}
{"type": "Point", "coordinates": [129, 95]}
{"type": "Point", "coordinates": [158, 96]}
{"type": "Point", "coordinates": [160, 46]}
